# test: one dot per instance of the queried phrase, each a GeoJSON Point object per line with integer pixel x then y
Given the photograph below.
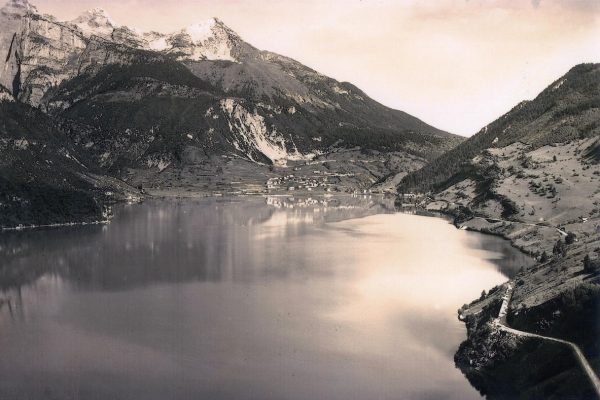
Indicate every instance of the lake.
{"type": "Point", "coordinates": [248, 298]}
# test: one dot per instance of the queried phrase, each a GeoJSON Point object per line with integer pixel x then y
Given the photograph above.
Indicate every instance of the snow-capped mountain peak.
{"type": "Point", "coordinates": [95, 22]}
{"type": "Point", "coordinates": [201, 31]}
{"type": "Point", "coordinates": [207, 40]}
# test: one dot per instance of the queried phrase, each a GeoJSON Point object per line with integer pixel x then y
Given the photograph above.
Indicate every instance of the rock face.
{"type": "Point", "coordinates": [272, 109]}
{"type": "Point", "coordinates": [95, 22]}
{"type": "Point", "coordinates": [37, 52]}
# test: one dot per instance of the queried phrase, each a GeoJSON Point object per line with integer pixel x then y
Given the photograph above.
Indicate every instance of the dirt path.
{"type": "Point", "coordinates": [583, 362]}
{"type": "Point", "coordinates": [541, 225]}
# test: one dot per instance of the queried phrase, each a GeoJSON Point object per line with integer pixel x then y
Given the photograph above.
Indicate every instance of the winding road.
{"type": "Point", "coordinates": [501, 323]}
{"type": "Point", "coordinates": [583, 362]}
{"type": "Point", "coordinates": [541, 225]}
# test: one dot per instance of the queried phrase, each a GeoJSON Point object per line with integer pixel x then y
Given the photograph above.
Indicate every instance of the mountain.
{"type": "Point", "coordinates": [42, 181]}
{"type": "Point", "coordinates": [568, 109]}
{"type": "Point", "coordinates": [229, 96]}
{"type": "Point", "coordinates": [533, 177]}
{"type": "Point", "coordinates": [198, 110]}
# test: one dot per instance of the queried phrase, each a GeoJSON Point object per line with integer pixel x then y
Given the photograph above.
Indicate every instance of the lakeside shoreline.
{"type": "Point", "coordinates": [488, 354]}
{"type": "Point", "coordinates": [180, 194]}
{"type": "Point", "coordinates": [452, 215]}
{"type": "Point", "coordinates": [59, 225]}
{"type": "Point", "coordinates": [448, 217]}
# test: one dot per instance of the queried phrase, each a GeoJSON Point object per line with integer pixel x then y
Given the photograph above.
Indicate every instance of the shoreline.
{"type": "Point", "coordinates": [57, 225]}
{"type": "Point", "coordinates": [498, 362]}
{"type": "Point", "coordinates": [474, 323]}
{"type": "Point", "coordinates": [454, 214]}
{"type": "Point", "coordinates": [197, 195]}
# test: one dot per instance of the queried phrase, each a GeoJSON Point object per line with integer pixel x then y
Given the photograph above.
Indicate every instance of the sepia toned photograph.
{"type": "Point", "coordinates": [299, 199]}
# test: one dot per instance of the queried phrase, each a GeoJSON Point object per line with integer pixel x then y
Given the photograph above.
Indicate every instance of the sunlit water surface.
{"type": "Point", "coordinates": [243, 299]}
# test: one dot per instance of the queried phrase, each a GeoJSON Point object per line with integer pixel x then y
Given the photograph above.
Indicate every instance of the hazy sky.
{"type": "Point", "coordinates": [456, 64]}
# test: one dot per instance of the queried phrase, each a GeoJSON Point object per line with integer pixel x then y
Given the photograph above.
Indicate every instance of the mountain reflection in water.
{"type": "Point", "coordinates": [243, 298]}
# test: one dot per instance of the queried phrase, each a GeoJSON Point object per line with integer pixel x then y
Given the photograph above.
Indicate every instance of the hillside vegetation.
{"type": "Point", "coordinates": [567, 109]}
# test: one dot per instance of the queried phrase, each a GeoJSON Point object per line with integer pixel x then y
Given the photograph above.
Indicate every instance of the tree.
{"type": "Point", "coordinates": [587, 263]}
{"type": "Point", "coordinates": [590, 265]}
{"type": "Point", "coordinates": [571, 237]}
{"type": "Point", "coordinates": [544, 257]}
{"type": "Point", "coordinates": [560, 248]}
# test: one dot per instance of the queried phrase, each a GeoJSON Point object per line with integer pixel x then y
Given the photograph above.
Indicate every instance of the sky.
{"type": "Point", "coordinates": [456, 64]}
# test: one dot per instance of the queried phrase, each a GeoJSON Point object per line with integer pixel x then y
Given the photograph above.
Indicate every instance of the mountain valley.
{"type": "Point", "coordinates": [93, 114]}
{"type": "Point", "coordinates": [200, 111]}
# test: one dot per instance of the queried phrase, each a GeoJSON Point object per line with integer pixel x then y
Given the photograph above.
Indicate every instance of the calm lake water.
{"type": "Point", "coordinates": [243, 299]}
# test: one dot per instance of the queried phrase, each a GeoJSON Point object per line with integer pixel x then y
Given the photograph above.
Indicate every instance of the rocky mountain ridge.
{"type": "Point", "coordinates": [43, 53]}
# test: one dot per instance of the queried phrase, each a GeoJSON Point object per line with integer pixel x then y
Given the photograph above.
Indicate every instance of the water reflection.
{"type": "Point", "coordinates": [242, 298]}
{"type": "Point", "coordinates": [169, 241]}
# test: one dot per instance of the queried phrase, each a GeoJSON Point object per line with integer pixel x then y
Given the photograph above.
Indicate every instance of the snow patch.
{"type": "Point", "coordinates": [201, 31]}
{"type": "Point", "coordinates": [210, 41]}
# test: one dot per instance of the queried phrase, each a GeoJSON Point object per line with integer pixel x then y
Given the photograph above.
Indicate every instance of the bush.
{"type": "Point", "coordinates": [589, 265]}
{"type": "Point", "coordinates": [560, 249]}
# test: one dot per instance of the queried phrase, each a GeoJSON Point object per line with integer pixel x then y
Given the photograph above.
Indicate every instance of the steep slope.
{"type": "Point", "coordinates": [39, 52]}
{"type": "Point", "coordinates": [532, 176]}
{"type": "Point", "coordinates": [567, 109]}
{"type": "Point", "coordinates": [157, 124]}
{"type": "Point", "coordinates": [41, 179]}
